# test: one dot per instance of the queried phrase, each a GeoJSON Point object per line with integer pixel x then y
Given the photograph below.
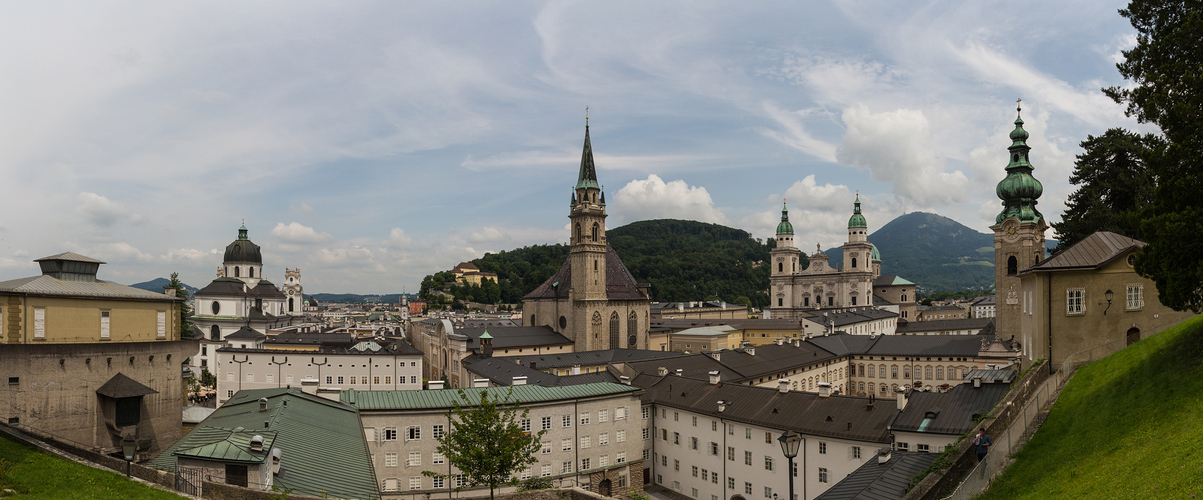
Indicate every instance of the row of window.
{"type": "Point", "coordinates": [1075, 302]}
{"type": "Point", "coordinates": [414, 459]}
{"type": "Point", "coordinates": [39, 323]}
{"type": "Point", "coordinates": [586, 418]}
{"type": "Point", "coordinates": [412, 433]}
{"type": "Point", "coordinates": [603, 439]}
{"type": "Point", "coordinates": [936, 372]}
{"type": "Point", "coordinates": [270, 378]}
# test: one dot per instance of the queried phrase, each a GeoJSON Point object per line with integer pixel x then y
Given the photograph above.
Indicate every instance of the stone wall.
{"type": "Point", "coordinates": [55, 389]}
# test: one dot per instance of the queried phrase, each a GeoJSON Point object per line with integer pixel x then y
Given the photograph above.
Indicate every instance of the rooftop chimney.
{"type": "Point", "coordinates": [519, 380]}
{"type": "Point", "coordinates": [780, 341]}
{"type": "Point", "coordinates": [722, 406]}
{"type": "Point", "coordinates": [714, 377]}
{"type": "Point", "coordinates": [902, 397]}
{"type": "Point", "coordinates": [783, 385]}
{"type": "Point", "coordinates": [797, 342]}
{"type": "Point", "coordinates": [276, 456]}
{"type": "Point", "coordinates": [824, 389]}
{"type": "Point", "coordinates": [680, 372]}
{"type": "Point", "coordinates": [750, 349]}
{"type": "Point", "coordinates": [716, 355]}
{"type": "Point", "coordinates": [262, 404]}
{"type": "Point", "coordinates": [883, 455]}
{"type": "Point", "coordinates": [257, 443]}
{"type": "Point", "coordinates": [434, 385]}
{"type": "Point", "coordinates": [309, 385]}
{"type": "Point", "coordinates": [480, 382]}
{"type": "Point", "coordinates": [977, 382]}
{"type": "Point", "coordinates": [661, 371]}
{"type": "Point", "coordinates": [625, 379]}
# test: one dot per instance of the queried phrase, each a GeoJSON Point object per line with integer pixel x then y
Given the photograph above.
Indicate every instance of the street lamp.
{"type": "Point", "coordinates": [1108, 295]}
{"type": "Point", "coordinates": [789, 446]}
{"type": "Point", "coordinates": [128, 447]}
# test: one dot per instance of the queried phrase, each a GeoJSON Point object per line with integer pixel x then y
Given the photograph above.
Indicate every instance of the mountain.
{"type": "Point", "coordinates": [156, 285]}
{"type": "Point", "coordinates": [683, 260]}
{"type": "Point", "coordinates": [935, 252]}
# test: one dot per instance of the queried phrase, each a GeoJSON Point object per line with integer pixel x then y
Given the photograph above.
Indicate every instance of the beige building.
{"type": "Point", "coordinates": [91, 361]}
{"type": "Point", "coordinates": [593, 437]}
{"type": "Point", "coordinates": [445, 347]}
{"type": "Point", "coordinates": [710, 309]}
{"type": "Point", "coordinates": [468, 273]}
{"type": "Point", "coordinates": [1089, 295]}
{"type": "Point", "coordinates": [593, 299]}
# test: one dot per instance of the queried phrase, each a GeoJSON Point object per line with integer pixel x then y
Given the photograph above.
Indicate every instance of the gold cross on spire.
{"type": "Point", "coordinates": [1018, 105]}
{"type": "Point", "coordinates": [586, 116]}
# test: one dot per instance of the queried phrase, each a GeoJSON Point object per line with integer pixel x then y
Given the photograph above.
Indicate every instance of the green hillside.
{"type": "Point", "coordinates": [34, 474]}
{"type": "Point", "coordinates": [1127, 426]}
{"type": "Point", "coordinates": [683, 260]}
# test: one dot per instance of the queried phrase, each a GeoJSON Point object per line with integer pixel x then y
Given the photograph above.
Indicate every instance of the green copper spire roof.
{"type": "Point", "coordinates": [588, 176]}
{"type": "Point", "coordinates": [857, 220]}
{"type": "Point", "coordinates": [486, 335]}
{"type": "Point", "coordinates": [785, 227]}
{"type": "Point", "coordinates": [1019, 190]}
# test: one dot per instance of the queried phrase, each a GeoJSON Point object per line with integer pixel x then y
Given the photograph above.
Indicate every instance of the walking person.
{"type": "Point", "coordinates": [982, 442]}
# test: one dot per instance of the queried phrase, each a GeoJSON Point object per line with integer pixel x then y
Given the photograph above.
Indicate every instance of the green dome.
{"type": "Point", "coordinates": [785, 227]}
{"type": "Point", "coordinates": [874, 256]}
{"type": "Point", "coordinates": [857, 220]}
{"type": "Point", "coordinates": [1019, 190]}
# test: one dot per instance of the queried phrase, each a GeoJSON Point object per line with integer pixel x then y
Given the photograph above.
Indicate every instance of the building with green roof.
{"type": "Point", "coordinates": [282, 438]}
{"type": "Point", "coordinates": [594, 436]}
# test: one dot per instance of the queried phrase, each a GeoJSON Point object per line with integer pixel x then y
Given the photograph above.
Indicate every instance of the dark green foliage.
{"type": "Point", "coordinates": [1115, 187]}
{"type": "Point", "coordinates": [683, 260]}
{"type": "Point", "coordinates": [486, 442]}
{"type": "Point", "coordinates": [391, 298]}
{"type": "Point", "coordinates": [185, 308]}
{"type": "Point", "coordinates": [1166, 66]}
{"type": "Point", "coordinates": [948, 295]}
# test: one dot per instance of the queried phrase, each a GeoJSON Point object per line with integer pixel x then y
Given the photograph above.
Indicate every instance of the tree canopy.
{"type": "Point", "coordinates": [1166, 67]}
{"type": "Point", "coordinates": [487, 443]}
{"type": "Point", "coordinates": [1115, 187]}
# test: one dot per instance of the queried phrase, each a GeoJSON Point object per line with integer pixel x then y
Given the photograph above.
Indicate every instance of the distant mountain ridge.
{"type": "Point", "coordinates": [934, 252]}
{"type": "Point", "coordinates": [156, 285]}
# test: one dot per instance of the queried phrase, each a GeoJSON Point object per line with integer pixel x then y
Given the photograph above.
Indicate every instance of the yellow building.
{"type": "Point", "coordinates": [90, 360]}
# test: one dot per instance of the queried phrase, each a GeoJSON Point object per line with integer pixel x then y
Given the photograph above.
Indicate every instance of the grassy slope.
{"type": "Point", "coordinates": [1128, 426]}
{"type": "Point", "coordinates": [34, 474]}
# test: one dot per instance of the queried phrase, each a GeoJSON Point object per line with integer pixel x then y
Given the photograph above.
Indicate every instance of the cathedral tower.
{"type": "Point", "coordinates": [588, 245]}
{"type": "Point", "coordinates": [1018, 231]}
{"type": "Point", "coordinates": [243, 260]}
{"type": "Point", "coordinates": [858, 259]}
{"type": "Point", "coordinates": [784, 259]}
{"type": "Point", "coordinates": [295, 306]}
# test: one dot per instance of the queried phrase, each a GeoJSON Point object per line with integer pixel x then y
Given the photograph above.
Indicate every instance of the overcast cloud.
{"type": "Point", "coordinates": [373, 143]}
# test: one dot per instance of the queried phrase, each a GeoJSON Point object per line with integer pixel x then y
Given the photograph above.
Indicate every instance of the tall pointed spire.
{"type": "Point", "coordinates": [588, 175]}
{"type": "Point", "coordinates": [1019, 190]}
{"type": "Point", "coordinates": [785, 227]}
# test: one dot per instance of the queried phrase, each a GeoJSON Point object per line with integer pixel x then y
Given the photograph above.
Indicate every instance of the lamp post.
{"type": "Point", "coordinates": [1108, 295]}
{"type": "Point", "coordinates": [789, 446]}
{"type": "Point", "coordinates": [128, 447]}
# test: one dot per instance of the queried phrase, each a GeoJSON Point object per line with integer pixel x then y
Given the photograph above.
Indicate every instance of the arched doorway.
{"type": "Point", "coordinates": [1133, 335]}
{"type": "Point", "coordinates": [603, 488]}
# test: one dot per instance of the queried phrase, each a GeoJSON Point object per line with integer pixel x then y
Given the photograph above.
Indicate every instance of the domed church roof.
{"type": "Point", "coordinates": [242, 250]}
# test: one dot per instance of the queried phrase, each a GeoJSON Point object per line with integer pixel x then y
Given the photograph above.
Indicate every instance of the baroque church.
{"type": "Point", "coordinates": [859, 283]}
{"type": "Point", "coordinates": [1018, 231]}
{"type": "Point", "coordinates": [593, 299]}
{"type": "Point", "coordinates": [241, 302]}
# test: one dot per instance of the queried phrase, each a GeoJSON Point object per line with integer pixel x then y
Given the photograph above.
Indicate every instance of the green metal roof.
{"type": "Point", "coordinates": [587, 178]}
{"type": "Point", "coordinates": [1019, 190]}
{"type": "Point", "coordinates": [901, 281]}
{"type": "Point", "coordinates": [446, 398]}
{"type": "Point", "coordinates": [875, 255]}
{"type": "Point", "coordinates": [312, 433]}
{"type": "Point", "coordinates": [857, 220]}
{"type": "Point", "coordinates": [785, 227]}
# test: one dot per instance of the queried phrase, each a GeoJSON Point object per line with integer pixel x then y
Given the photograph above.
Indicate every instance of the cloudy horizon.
{"type": "Point", "coordinates": [371, 144]}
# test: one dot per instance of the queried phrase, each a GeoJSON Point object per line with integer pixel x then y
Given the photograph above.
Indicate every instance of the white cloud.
{"type": "Point", "coordinates": [398, 239]}
{"type": "Point", "coordinates": [102, 211]}
{"type": "Point", "coordinates": [298, 233]}
{"type": "Point", "coordinates": [487, 235]}
{"type": "Point", "coordinates": [795, 135]}
{"type": "Point", "coordinates": [302, 209]}
{"type": "Point", "coordinates": [192, 255]}
{"type": "Point", "coordinates": [653, 198]}
{"type": "Point", "coordinates": [895, 147]}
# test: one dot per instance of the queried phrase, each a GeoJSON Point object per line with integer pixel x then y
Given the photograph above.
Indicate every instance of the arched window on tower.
{"type": "Point", "coordinates": [237, 270]}
{"type": "Point", "coordinates": [780, 267]}
{"type": "Point", "coordinates": [632, 330]}
{"type": "Point", "coordinates": [1012, 266]}
{"type": "Point", "coordinates": [595, 226]}
{"type": "Point", "coordinates": [251, 270]}
{"type": "Point", "coordinates": [578, 233]}
{"type": "Point", "coordinates": [290, 309]}
{"type": "Point", "coordinates": [854, 262]}
{"type": "Point", "coordinates": [615, 335]}
{"type": "Point", "coordinates": [215, 333]}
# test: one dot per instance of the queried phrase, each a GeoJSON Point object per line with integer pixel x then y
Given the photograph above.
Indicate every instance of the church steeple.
{"type": "Point", "coordinates": [587, 178]}
{"type": "Point", "coordinates": [1019, 189]}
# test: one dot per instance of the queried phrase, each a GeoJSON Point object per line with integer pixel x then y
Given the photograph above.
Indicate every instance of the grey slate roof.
{"type": "Point", "coordinates": [850, 315]}
{"type": "Point", "coordinates": [1091, 253]}
{"type": "Point", "coordinates": [843, 344]}
{"type": "Point", "coordinates": [442, 399]}
{"type": "Point", "coordinates": [505, 337]}
{"type": "Point", "coordinates": [620, 284]}
{"type": "Point", "coordinates": [951, 412]}
{"type": "Point", "coordinates": [585, 358]}
{"type": "Point", "coordinates": [121, 386]}
{"type": "Point", "coordinates": [739, 324]}
{"type": "Point", "coordinates": [927, 345]}
{"type": "Point", "coordinates": [875, 481]}
{"type": "Point", "coordinates": [943, 324]}
{"type": "Point", "coordinates": [737, 365]}
{"type": "Point", "coordinates": [246, 333]}
{"type": "Point", "coordinates": [71, 256]}
{"type": "Point", "coordinates": [224, 286]}
{"type": "Point", "coordinates": [845, 417]}
{"type": "Point", "coordinates": [48, 285]}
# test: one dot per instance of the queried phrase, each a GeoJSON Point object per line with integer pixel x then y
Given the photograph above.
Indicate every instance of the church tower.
{"type": "Point", "coordinates": [587, 248]}
{"type": "Point", "coordinates": [784, 259]}
{"type": "Point", "coordinates": [243, 260]}
{"type": "Point", "coordinates": [858, 259]}
{"type": "Point", "coordinates": [1018, 231]}
{"type": "Point", "coordinates": [295, 304]}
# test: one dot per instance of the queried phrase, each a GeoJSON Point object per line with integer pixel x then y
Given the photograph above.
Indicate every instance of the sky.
{"type": "Point", "coordinates": [373, 143]}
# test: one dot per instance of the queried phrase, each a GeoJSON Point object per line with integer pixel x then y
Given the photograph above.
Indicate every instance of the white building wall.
{"type": "Point", "coordinates": [236, 371]}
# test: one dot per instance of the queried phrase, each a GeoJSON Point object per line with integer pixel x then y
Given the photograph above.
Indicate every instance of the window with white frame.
{"type": "Point", "coordinates": [390, 433]}
{"type": "Point", "coordinates": [822, 448]}
{"type": "Point", "coordinates": [566, 421]}
{"type": "Point", "coordinates": [414, 460]}
{"type": "Point", "coordinates": [524, 423]}
{"type": "Point", "coordinates": [647, 433]}
{"type": "Point", "coordinates": [104, 324]}
{"type": "Point", "coordinates": [1074, 301]}
{"type": "Point", "coordinates": [438, 482]}
{"type": "Point", "coordinates": [161, 324]}
{"type": "Point", "coordinates": [436, 431]}
{"type": "Point", "coordinates": [250, 377]}
{"type": "Point", "coordinates": [747, 458]}
{"type": "Point", "coordinates": [695, 471]}
{"type": "Point", "coordinates": [620, 413]}
{"type": "Point", "coordinates": [229, 376]}
{"type": "Point", "coordinates": [390, 484]}
{"type": "Point", "coordinates": [413, 432]}
{"type": "Point", "coordinates": [527, 472]}
{"type": "Point", "coordinates": [585, 442]}
{"type": "Point", "coordinates": [369, 434]}
{"type": "Point", "coordinates": [603, 461]}
{"type": "Point", "coordinates": [415, 483]}
{"type": "Point", "coordinates": [620, 457]}
{"type": "Point", "coordinates": [693, 443]}
{"type": "Point", "coordinates": [438, 458]}
{"type": "Point", "coordinates": [822, 474]}
{"type": "Point", "coordinates": [390, 459]}
{"type": "Point", "coordinates": [566, 467]}
{"type": "Point", "coordinates": [461, 481]}
{"type": "Point", "coordinates": [566, 445]}
{"type": "Point", "coordinates": [1136, 297]}
{"type": "Point", "coordinates": [545, 423]}
{"type": "Point", "coordinates": [854, 452]}
{"type": "Point", "coordinates": [270, 378]}
{"type": "Point", "coordinates": [620, 436]}
{"type": "Point", "coordinates": [545, 470]}
{"type": "Point", "coordinates": [768, 463]}
{"type": "Point", "coordinates": [585, 418]}
{"type": "Point", "coordinates": [768, 492]}
{"type": "Point", "coordinates": [39, 322]}
{"type": "Point", "coordinates": [603, 416]}
{"type": "Point", "coordinates": [646, 411]}
{"type": "Point", "coordinates": [603, 439]}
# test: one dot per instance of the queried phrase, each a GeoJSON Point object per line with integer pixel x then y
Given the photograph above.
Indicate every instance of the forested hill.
{"type": "Point", "coordinates": [683, 260]}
